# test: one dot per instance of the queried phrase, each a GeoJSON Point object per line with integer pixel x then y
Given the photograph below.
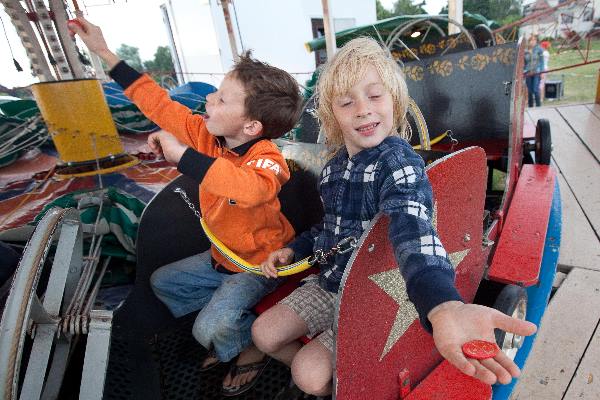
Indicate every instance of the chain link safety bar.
{"type": "Point", "coordinates": [187, 200]}
{"type": "Point", "coordinates": [344, 246]}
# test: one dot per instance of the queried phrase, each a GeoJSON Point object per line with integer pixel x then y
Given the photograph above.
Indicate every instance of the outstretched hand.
{"type": "Point", "coordinates": [163, 144]}
{"type": "Point", "coordinates": [93, 38]}
{"type": "Point", "coordinates": [455, 324]}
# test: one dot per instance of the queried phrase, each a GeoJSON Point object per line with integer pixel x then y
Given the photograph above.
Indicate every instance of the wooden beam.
{"type": "Point", "coordinates": [585, 384]}
{"type": "Point", "coordinates": [67, 42]}
{"type": "Point", "coordinates": [575, 162]}
{"type": "Point", "coordinates": [329, 30]}
{"type": "Point", "coordinates": [585, 124]}
{"type": "Point", "coordinates": [39, 64]}
{"type": "Point", "coordinates": [563, 338]}
{"type": "Point", "coordinates": [455, 13]}
{"type": "Point", "coordinates": [578, 237]}
{"type": "Point", "coordinates": [230, 34]}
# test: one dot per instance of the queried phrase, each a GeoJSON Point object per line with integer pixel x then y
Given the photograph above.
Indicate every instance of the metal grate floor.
{"type": "Point", "coordinates": [177, 358]}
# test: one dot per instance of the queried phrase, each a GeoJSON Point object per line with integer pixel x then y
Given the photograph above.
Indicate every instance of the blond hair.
{"type": "Point", "coordinates": [345, 70]}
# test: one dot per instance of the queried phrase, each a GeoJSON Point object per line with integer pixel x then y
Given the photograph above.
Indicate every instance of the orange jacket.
{"type": "Point", "coordinates": [238, 194]}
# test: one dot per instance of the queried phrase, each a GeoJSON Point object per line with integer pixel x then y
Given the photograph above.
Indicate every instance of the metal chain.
{"type": "Point", "coordinates": [453, 140]}
{"type": "Point", "coordinates": [185, 198]}
{"type": "Point", "coordinates": [344, 246]}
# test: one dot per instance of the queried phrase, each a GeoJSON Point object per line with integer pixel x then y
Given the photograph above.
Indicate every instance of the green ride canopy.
{"type": "Point", "coordinates": [382, 29]}
{"type": "Point", "coordinates": [121, 213]}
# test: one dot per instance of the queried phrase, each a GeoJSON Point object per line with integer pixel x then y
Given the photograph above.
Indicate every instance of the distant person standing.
{"type": "Point", "coordinates": [545, 45]}
{"type": "Point", "coordinates": [534, 64]}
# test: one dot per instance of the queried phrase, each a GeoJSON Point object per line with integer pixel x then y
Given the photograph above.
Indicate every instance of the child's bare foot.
{"type": "Point", "coordinates": [209, 361]}
{"type": "Point", "coordinates": [244, 373]}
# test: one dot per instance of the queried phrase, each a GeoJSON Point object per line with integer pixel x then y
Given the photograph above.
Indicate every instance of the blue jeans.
{"type": "Point", "coordinates": [225, 301]}
{"type": "Point", "coordinates": [533, 90]}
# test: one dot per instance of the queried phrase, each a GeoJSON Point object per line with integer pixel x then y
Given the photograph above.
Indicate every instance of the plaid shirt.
{"type": "Point", "coordinates": [388, 178]}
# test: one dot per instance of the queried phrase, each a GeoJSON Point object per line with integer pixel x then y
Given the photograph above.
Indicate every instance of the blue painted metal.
{"type": "Point", "coordinates": [198, 88]}
{"type": "Point", "coordinates": [192, 94]}
{"type": "Point", "coordinates": [539, 294]}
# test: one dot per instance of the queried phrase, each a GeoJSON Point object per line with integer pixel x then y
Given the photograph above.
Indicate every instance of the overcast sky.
{"type": "Point", "coordinates": [431, 6]}
{"type": "Point", "coordinates": [134, 22]}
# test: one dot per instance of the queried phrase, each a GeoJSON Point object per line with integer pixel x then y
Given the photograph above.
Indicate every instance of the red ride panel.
{"type": "Point", "coordinates": [378, 334]}
{"type": "Point", "coordinates": [448, 383]}
{"type": "Point", "coordinates": [519, 252]}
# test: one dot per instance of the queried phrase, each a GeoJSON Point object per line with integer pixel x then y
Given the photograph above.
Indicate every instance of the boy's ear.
{"type": "Point", "coordinates": [253, 128]}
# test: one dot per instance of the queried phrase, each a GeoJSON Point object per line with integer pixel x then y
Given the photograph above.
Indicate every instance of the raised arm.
{"type": "Point", "coordinates": [150, 98]}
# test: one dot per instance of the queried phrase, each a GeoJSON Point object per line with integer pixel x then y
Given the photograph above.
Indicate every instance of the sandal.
{"type": "Point", "coordinates": [211, 354]}
{"type": "Point", "coordinates": [236, 370]}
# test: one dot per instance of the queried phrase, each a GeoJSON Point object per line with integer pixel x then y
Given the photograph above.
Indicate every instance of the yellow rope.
{"type": "Point", "coordinates": [284, 270]}
{"type": "Point", "coordinates": [435, 140]}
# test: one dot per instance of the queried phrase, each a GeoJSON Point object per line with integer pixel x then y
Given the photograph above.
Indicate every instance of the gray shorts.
{"type": "Point", "coordinates": [315, 306]}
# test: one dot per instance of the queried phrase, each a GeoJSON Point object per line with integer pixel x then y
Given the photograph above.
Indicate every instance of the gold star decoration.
{"type": "Point", "coordinates": [392, 283]}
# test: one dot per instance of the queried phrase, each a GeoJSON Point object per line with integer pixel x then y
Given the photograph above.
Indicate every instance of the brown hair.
{"type": "Point", "coordinates": [272, 95]}
{"type": "Point", "coordinates": [345, 69]}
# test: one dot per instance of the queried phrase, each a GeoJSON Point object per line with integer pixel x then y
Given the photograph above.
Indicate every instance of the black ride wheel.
{"type": "Point", "coordinates": [543, 142]}
{"type": "Point", "coordinates": [512, 301]}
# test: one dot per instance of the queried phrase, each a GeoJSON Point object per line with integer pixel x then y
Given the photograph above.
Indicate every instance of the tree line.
{"type": "Point", "coordinates": [501, 11]}
{"type": "Point", "coordinates": [162, 64]}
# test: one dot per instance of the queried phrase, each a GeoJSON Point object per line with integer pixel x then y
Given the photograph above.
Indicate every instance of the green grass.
{"type": "Point", "coordinates": [579, 83]}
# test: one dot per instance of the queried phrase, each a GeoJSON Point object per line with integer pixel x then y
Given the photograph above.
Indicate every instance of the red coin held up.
{"type": "Point", "coordinates": [76, 22]}
{"type": "Point", "coordinates": [480, 349]}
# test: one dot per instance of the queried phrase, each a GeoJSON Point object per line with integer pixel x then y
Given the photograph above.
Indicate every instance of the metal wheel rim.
{"type": "Point", "coordinates": [512, 342]}
{"type": "Point", "coordinates": [22, 298]}
{"type": "Point", "coordinates": [403, 28]}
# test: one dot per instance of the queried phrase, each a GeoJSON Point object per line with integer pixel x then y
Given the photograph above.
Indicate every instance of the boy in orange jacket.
{"type": "Point", "coordinates": [240, 172]}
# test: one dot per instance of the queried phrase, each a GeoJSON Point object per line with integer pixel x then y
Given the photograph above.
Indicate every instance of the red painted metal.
{"type": "Point", "coordinates": [515, 150]}
{"type": "Point", "coordinates": [368, 356]}
{"type": "Point", "coordinates": [518, 256]}
{"type": "Point", "coordinates": [42, 188]}
{"type": "Point", "coordinates": [586, 62]}
{"type": "Point", "coordinates": [533, 16]}
{"type": "Point", "coordinates": [26, 167]}
{"type": "Point", "coordinates": [480, 349]}
{"type": "Point", "coordinates": [494, 148]}
{"type": "Point", "coordinates": [448, 383]}
{"type": "Point", "coordinates": [404, 382]}
{"type": "Point", "coordinates": [32, 16]}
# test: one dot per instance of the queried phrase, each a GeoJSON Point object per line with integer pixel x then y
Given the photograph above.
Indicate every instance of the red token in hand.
{"type": "Point", "coordinates": [480, 349]}
{"type": "Point", "coordinates": [76, 22]}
